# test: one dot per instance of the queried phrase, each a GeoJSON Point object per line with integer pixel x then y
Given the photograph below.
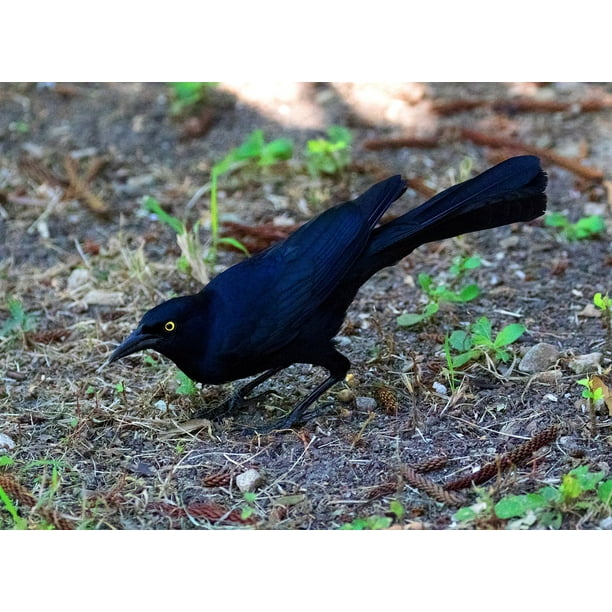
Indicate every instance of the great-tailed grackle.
{"type": "Point", "coordinates": [286, 304]}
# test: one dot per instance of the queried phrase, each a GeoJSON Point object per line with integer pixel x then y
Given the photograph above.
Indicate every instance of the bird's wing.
{"type": "Point", "coordinates": [265, 299]}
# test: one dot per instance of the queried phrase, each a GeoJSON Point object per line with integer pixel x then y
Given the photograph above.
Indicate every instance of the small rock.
{"type": "Point", "coordinates": [365, 403]}
{"type": "Point", "coordinates": [606, 523]}
{"type": "Point", "coordinates": [6, 442]}
{"type": "Point", "coordinates": [510, 241]}
{"type": "Point", "coordinates": [595, 208]}
{"type": "Point", "coordinates": [249, 480]}
{"type": "Point", "coordinates": [78, 277]}
{"type": "Point", "coordinates": [539, 358]}
{"type": "Point", "coordinates": [103, 298]}
{"type": "Point", "coordinates": [585, 363]}
{"type": "Point", "coordinates": [161, 405]}
{"type": "Point", "coordinates": [439, 388]}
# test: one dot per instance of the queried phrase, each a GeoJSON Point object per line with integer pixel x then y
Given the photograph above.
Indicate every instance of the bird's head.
{"type": "Point", "coordinates": [168, 328]}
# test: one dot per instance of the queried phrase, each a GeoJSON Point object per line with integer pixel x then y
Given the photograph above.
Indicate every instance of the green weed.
{"type": "Point", "coordinates": [580, 492]}
{"type": "Point", "coordinates": [395, 514]}
{"type": "Point", "coordinates": [19, 322]}
{"type": "Point", "coordinates": [194, 255]}
{"type": "Point", "coordinates": [604, 303]}
{"type": "Point", "coordinates": [584, 229]}
{"type": "Point", "coordinates": [590, 392]}
{"type": "Point", "coordinates": [479, 341]}
{"type": "Point", "coordinates": [185, 96]}
{"type": "Point", "coordinates": [438, 293]}
{"type": "Point", "coordinates": [253, 150]}
{"type": "Point", "coordinates": [248, 509]}
{"type": "Point", "coordinates": [329, 155]}
{"type": "Point", "coordinates": [593, 392]}
{"type": "Point", "coordinates": [193, 252]}
{"type": "Point", "coordinates": [186, 385]}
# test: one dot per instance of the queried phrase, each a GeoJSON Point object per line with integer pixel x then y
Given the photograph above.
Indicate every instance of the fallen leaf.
{"type": "Point", "coordinates": [597, 383]}
{"type": "Point", "coordinates": [188, 427]}
{"type": "Point", "coordinates": [590, 311]}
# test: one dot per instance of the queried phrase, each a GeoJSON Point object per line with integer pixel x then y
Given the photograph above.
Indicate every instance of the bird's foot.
{"type": "Point", "coordinates": [294, 420]}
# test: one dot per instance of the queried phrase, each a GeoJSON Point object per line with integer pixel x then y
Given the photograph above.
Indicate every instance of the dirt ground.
{"type": "Point", "coordinates": [116, 447]}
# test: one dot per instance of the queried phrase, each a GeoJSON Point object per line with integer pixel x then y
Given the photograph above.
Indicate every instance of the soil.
{"type": "Point", "coordinates": [86, 445]}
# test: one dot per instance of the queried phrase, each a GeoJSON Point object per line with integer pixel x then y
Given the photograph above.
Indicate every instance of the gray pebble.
{"type": "Point", "coordinates": [249, 480]}
{"type": "Point", "coordinates": [365, 403]}
{"type": "Point", "coordinates": [539, 358]}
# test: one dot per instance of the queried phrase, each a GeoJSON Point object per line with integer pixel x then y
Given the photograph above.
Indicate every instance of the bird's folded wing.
{"type": "Point", "coordinates": [267, 297]}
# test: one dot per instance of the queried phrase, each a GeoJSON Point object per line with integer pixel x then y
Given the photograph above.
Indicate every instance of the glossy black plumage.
{"type": "Point", "coordinates": [285, 305]}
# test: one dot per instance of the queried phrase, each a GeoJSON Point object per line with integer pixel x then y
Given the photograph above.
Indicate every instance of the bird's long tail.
{"type": "Point", "coordinates": [510, 192]}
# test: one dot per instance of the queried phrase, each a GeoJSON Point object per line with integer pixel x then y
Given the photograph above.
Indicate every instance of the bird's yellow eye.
{"type": "Point", "coordinates": [169, 326]}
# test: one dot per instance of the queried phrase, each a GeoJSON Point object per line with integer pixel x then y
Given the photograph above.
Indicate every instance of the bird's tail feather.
{"type": "Point", "coordinates": [510, 192]}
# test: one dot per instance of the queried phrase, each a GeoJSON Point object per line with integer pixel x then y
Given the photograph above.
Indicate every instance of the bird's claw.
{"type": "Point", "coordinates": [294, 420]}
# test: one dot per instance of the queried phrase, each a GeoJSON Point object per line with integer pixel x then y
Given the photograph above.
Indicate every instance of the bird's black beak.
{"type": "Point", "coordinates": [136, 341]}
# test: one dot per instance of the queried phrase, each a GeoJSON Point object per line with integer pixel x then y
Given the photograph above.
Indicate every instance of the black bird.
{"type": "Point", "coordinates": [285, 305]}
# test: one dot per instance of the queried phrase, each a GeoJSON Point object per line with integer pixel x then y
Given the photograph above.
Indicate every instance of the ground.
{"type": "Point", "coordinates": [116, 447]}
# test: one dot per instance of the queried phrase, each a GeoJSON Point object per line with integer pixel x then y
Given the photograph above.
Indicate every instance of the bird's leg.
{"type": "Point", "coordinates": [300, 413]}
{"type": "Point", "coordinates": [236, 398]}
{"type": "Point", "coordinates": [338, 366]}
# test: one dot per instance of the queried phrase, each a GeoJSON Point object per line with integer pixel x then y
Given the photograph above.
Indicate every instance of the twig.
{"type": "Point", "coordinates": [420, 187]}
{"type": "Point", "coordinates": [521, 105]}
{"type": "Point", "coordinates": [376, 144]}
{"type": "Point", "coordinates": [480, 138]}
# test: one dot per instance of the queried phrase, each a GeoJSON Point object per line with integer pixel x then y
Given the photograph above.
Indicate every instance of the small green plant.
{"type": "Point", "coordinates": [329, 155]}
{"type": "Point", "coordinates": [604, 303]}
{"type": "Point", "coordinates": [19, 322]}
{"type": "Point", "coordinates": [580, 491]}
{"type": "Point", "coordinates": [585, 228]}
{"type": "Point", "coordinates": [395, 514]}
{"type": "Point", "coordinates": [479, 341]}
{"type": "Point", "coordinates": [253, 150]}
{"type": "Point", "coordinates": [438, 293]}
{"type": "Point", "coordinates": [593, 392]}
{"type": "Point", "coordinates": [21, 127]}
{"type": "Point", "coordinates": [185, 96]}
{"type": "Point", "coordinates": [186, 385]}
{"type": "Point", "coordinates": [248, 509]}
{"type": "Point", "coordinates": [193, 253]}
{"type": "Point", "coordinates": [449, 371]}
{"type": "Point", "coordinates": [462, 264]}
